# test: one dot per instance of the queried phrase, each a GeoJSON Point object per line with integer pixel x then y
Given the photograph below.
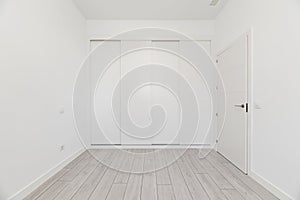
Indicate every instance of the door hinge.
{"type": "Point", "coordinates": [247, 107]}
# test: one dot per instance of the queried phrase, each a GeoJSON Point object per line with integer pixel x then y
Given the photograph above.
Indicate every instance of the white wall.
{"type": "Point", "coordinates": [41, 46]}
{"type": "Point", "coordinates": [276, 42]}
{"type": "Point", "coordinates": [196, 29]}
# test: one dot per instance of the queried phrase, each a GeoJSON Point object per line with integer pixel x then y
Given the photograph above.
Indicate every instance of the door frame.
{"type": "Point", "coordinates": [249, 131]}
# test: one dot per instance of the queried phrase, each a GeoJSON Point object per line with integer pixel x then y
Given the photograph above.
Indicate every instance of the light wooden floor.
{"type": "Point", "coordinates": [190, 177]}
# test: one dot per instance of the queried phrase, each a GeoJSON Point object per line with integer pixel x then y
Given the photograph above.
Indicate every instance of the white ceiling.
{"type": "Point", "coordinates": [149, 9]}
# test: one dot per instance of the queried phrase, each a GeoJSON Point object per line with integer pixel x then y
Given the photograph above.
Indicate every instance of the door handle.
{"type": "Point", "coordinates": [240, 106]}
{"type": "Point", "coordinates": [243, 106]}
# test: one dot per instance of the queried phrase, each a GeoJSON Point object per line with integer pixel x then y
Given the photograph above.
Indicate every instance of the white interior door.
{"type": "Point", "coordinates": [233, 65]}
{"type": "Point", "coordinates": [103, 79]}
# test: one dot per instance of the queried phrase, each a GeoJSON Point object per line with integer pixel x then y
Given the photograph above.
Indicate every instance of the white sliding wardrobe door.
{"type": "Point", "coordinates": [135, 99]}
{"type": "Point", "coordinates": [103, 79]}
{"type": "Point", "coordinates": [149, 111]}
{"type": "Point", "coordinates": [192, 75]}
{"type": "Point", "coordinates": [166, 95]}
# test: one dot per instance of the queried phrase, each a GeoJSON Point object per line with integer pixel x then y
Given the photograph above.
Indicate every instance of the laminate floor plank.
{"type": "Point", "coordinates": [90, 184]}
{"type": "Point", "coordinates": [219, 179]}
{"type": "Point", "coordinates": [233, 195]}
{"type": "Point", "coordinates": [195, 187]}
{"type": "Point", "coordinates": [149, 187]}
{"type": "Point", "coordinates": [245, 190]}
{"type": "Point", "coordinates": [165, 192]}
{"type": "Point", "coordinates": [102, 189]}
{"type": "Point", "coordinates": [149, 162]}
{"type": "Point", "coordinates": [194, 163]}
{"type": "Point", "coordinates": [211, 187]}
{"type": "Point", "coordinates": [53, 191]}
{"type": "Point", "coordinates": [162, 173]}
{"type": "Point", "coordinates": [35, 194]}
{"type": "Point", "coordinates": [125, 168]}
{"type": "Point", "coordinates": [104, 186]}
{"type": "Point", "coordinates": [69, 191]}
{"type": "Point", "coordinates": [117, 192]}
{"type": "Point", "coordinates": [72, 173]}
{"type": "Point", "coordinates": [77, 160]}
{"type": "Point", "coordinates": [260, 190]}
{"type": "Point", "coordinates": [180, 188]}
{"type": "Point", "coordinates": [138, 162]}
{"type": "Point", "coordinates": [134, 187]}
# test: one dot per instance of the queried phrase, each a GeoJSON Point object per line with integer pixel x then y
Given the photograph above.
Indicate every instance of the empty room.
{"type": "Point", "coordinates": [149, 100]}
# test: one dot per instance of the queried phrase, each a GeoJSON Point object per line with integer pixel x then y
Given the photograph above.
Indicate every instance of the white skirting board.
{"type": "Point", "coordinates": [43, 178]}
{"type": "Point", "coordinates": [269, 186]}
